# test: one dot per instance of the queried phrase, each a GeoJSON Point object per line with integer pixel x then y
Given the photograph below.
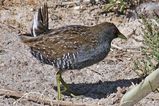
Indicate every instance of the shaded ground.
{"type": "Point", "coordinates": [100, 84]}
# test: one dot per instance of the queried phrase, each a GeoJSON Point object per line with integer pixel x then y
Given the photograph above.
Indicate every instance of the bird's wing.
{"type": "Point", "coordinates": [64, 42]}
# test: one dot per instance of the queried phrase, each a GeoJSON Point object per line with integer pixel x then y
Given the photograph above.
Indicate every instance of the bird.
{"type": "Point", "coordinates": [68, 47]}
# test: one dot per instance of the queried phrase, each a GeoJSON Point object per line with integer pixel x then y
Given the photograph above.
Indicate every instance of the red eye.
{"type": "Point", "coordinates": [114, 31]}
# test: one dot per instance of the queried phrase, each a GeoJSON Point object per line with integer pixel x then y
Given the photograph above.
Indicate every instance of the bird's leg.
{"type": "Point", "coordinates": [63, 83]}
{"type": "Point", "coordinates": [58, 75]}
{"type": "Point", "coordinates": [66, 87]}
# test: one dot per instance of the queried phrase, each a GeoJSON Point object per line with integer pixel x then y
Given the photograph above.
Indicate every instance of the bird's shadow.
{"type": "Point", "coordinates": [101, 89]}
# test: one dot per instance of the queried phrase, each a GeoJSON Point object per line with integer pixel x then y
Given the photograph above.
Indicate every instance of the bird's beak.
{"type": "Point", "coordinates": [120, 35]}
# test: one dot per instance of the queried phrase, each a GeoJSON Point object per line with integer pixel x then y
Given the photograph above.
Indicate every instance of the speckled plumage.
{"type": "Point", "coordinates": [73, 47]}
{"type": "Point", "coordinates": [69, 47]}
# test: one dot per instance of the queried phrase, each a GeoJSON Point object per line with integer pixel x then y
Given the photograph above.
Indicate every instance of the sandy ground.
{"type": "Point", "coordinates": [100, 84]}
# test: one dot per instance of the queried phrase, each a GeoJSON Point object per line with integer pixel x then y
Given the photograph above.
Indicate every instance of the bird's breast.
{"type": "Point", "coordinates": [86, 58]}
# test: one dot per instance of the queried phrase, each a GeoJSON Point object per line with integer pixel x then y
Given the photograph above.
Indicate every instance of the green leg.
{"type": "Point", "coordinates": [64, 84]}
{"type": "Point", "coordinates": [66, 88]}
{"type": "Point", "coordinates": [58, 74]}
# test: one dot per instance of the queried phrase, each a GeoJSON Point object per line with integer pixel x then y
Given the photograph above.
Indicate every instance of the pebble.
{"type": "Point", "coordinates": [78, 7]}
{"type": "Point", "coordinates": [2, 65]}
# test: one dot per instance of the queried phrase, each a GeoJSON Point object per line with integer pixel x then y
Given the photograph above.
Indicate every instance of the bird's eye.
{"type": "Point", "coordinates": [114, 31]}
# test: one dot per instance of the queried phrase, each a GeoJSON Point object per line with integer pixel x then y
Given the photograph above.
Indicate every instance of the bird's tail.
{"type": "Point", "coordinates": [40, 22]}
{"type": "Point", "coordinates": [27, 39]}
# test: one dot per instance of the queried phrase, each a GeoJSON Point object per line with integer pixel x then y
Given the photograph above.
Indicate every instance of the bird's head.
{"type": "Point", "coordinates": [116, 33]}
{"type": "Point", "coordinates": [110, 31]}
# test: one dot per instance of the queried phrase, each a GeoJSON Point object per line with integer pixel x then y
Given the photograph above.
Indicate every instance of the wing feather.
{"type": "Point", "coordinates": [57, 44]}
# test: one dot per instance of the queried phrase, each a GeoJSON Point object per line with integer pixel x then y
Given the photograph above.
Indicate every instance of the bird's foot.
{"type": "Point", "coordinates": [68, 91]}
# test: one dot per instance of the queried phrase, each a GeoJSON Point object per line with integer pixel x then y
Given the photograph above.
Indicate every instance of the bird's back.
{"type": "Point", "coordinates": [70, 47]}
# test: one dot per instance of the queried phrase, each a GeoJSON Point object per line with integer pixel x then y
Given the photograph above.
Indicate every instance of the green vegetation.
{"type": "Point", "coordinates": [150, 51]}
{"type": "Point", "coordinates": [145, 64]}
{"type": "Point", "coordinates": [119, 6]}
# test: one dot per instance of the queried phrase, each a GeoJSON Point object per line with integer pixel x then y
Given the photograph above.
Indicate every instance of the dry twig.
{"type": "Point", "coordinates": [38, 98]}
{"type": "Point", "coordinates": [151, 83]}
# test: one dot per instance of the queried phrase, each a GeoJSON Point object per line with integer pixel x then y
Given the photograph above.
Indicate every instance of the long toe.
{"type": "Point", "coordinates": [58, 87]}
{"type": "Point", "coordinates": [69, 92]}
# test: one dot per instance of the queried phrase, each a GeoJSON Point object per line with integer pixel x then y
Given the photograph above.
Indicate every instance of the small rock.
{"type": "Point", "coordinates": [121, 90]}
{"type": "Point", "coordinates": [77, 7]}
{"type": "Point", "coordinates": [148, 9]}
{"type": "Point", "coordinates": [2, 65]}
{"type": "Point", "coordinates": [90, 1]}
{"type": "Point", "coordinates": [32, 9]}
{"type": "Point", "coordinates": [86, 1]}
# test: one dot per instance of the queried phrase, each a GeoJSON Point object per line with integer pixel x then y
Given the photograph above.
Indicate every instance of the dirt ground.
{"type": "Point", "coordinates": [101, 84]}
